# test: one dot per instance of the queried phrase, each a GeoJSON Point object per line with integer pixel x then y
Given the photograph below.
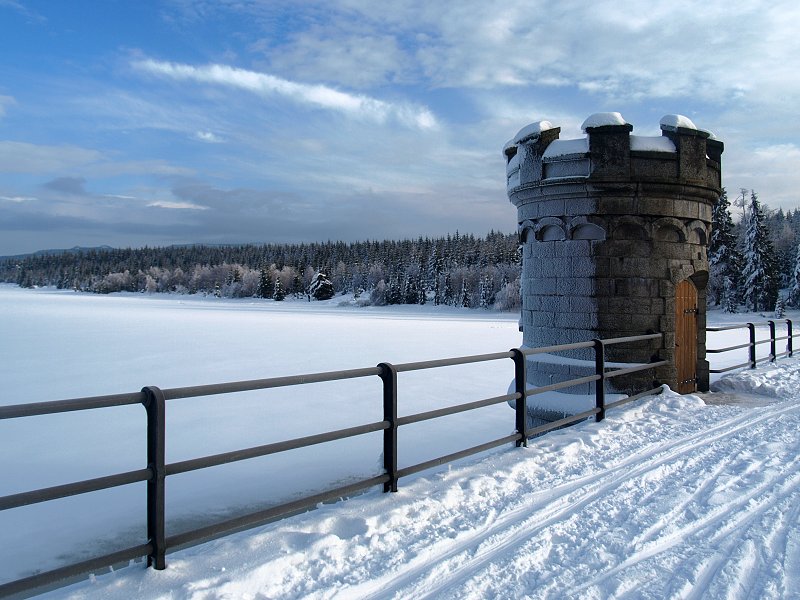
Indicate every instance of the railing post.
{"type": "Point", "coordinates": [389, 377]}
{"type": "Point", "coordinates": [772, 349]}
{"type": "Point", "coordinates": [600, 384]}
{"type": "Point", "coordinates": [521, 406]}
{"type": "Point", "coordinates": [789, 335]}
{"type": "Point", "coordinates": [752, 348]}
{"type": "Point", "coordinates": [156, 437]}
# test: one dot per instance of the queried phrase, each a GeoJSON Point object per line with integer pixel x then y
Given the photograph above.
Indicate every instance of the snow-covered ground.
{"type": "Point", "coordinates": [668, 497]}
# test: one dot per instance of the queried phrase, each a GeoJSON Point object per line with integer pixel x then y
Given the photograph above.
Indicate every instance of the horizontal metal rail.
{"type": "Point", "coordinates": [452, 410]}
{"type": "Point", "coordinates": [450, 362]}
{"type": "Point", "coordinates": [561, 348]}
{"type": "Point", "coordinates": [442, 460]}
{"type": "Point", "coordinates": [274, 448]}
{"type": "Point", "coordinates": [73, 489]}
{"type": "Point", "coordinates": [561, 385]}
{"type": "Point", "coordinates": [636, 369]}
{"type": "Point", "coordinates": [728, 349]}
{"type": "Point", "coordinates": [623, 401]}
{"type": "Point", "coordinates": [632, 338]}
{"type": "Point", "coordinates": [731, 368]}
{"type": "Point", "coordinates": [263, 384]}
{"type": "Point", "coordinates": [727, 327]}
{"type": "Point", "coordinates": [14, 411]}
{"type": "Point", "coordinates": [81, 568]}
{"type": "Point", "coordinates": [563, 422]}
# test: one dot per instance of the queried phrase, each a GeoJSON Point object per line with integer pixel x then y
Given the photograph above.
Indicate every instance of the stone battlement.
{"type": "Point", "coordinates": [536, 157]}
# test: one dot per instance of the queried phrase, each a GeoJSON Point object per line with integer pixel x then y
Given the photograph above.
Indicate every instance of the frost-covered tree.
{"type": "Point", "coordinates": [724, 259]}
{"type": "Point", "coordinates": [794, 291]}
{"type": "Point", "coordinates": [760, 268]}
{"type": "Point", "coordinates": [487, 295]}
{"type": "Point", "coordinates": [321, 287]}
{"type": "Point", "coordinates": [780, 308]}
{"type": "Point", "coordinates": [447, 293]}
{"type": "Point", "coordinates": [278, 293]}
{"type": "Point", "coordinates": [729, 296]}
{"type": "Point", "coordinates": [464, 296]}
{"type": "Point", "coordinates": [265, 286]}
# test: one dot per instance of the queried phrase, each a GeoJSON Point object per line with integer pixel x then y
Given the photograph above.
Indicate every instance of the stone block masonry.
{"type": "Point", "coordinates": [611, 224]}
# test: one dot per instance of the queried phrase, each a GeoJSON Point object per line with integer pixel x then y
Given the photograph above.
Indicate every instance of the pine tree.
{"type": "Point", "coordinates": [321, 287]}
{"type": "Point", "coordinates": [278, 293]}
{"type": "Point", "coordinates": [760, 268]}
{"type": "Point", "coordinates": [265, 285]}
{"type": "Point", "coordinates": [794, 292]}
{"type": "Point", "coordinates": [780, 308]}
{"type": "Point", "coordinates": [464, 299]}
{"type": "Point", "coordinates": [730, 300]}
{"type": "Point", "coordinates": [447, 293]}
{"type": "Point", "coordinates": [724, 258]}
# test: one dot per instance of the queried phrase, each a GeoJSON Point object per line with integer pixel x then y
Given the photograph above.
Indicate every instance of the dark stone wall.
{"type": "Point", "coordinates": [607, 235]}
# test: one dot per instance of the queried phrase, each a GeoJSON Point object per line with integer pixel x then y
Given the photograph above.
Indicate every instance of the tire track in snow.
{"type": "Point", "coordinates": [437, 572]}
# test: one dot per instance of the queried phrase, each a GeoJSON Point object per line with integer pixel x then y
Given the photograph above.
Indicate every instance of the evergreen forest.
{"type": "Point", "coordinates": [754, 259]}
{"type": "Point", "coordinates": [457, 270]}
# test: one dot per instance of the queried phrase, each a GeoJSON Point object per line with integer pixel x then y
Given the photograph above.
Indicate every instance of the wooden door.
{"type": "Point", "coordinates": [686, 336]}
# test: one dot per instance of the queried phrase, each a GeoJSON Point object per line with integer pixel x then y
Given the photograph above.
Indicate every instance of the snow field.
{"type": "Point", "coordinates": [669, 497]}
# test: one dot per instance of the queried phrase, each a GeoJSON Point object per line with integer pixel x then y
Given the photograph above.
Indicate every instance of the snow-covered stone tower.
{"type": "Point", "coordinates": [615, 228]}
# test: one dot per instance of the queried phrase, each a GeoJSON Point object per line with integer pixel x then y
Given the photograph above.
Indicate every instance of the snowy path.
{"type": "Point", "coordinates": [667, 498]}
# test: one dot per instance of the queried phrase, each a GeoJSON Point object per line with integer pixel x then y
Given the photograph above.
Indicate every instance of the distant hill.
{"type": "Point", "coordinates": [54, 252]}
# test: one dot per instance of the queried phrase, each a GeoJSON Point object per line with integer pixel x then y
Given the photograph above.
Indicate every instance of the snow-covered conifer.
{"type": "Point", "coordinates": [794, 291]}
{"type": "Point", "coordinates": [278, 293]}
{"type": "Point", "coordinates": [780, 308]}
{"type": "Point", "coordinates": [760, 268]}
{"type": "Point", "coordinates": [265, 286]}
{"type": "Point", "coordinates": [724, 258]}
{"type": "Point", "coordinates": [464, 297]}
{"type": "Point", "coordinates": [321, 287]}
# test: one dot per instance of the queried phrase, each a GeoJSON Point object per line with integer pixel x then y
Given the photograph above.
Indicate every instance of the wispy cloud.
{"type": "Point", "coordinates": [176, 205]}
{"type": "Point", "coordinates": [17, 199]}
{"type": "Point", "coordinates": [207, 136]}
{"type": "Point", "coordinates": [5, 102]}
{"type": "Point", "coordinates": [264, 84]}
{"type": "Point", "coordinates": [21, 9]}
{"type": "Point", "coordinates": [22, 157]}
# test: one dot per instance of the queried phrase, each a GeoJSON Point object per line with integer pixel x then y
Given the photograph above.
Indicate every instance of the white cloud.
{"type": "Point", "coordinates": [207, 136]}
{"type": "Point", "coordinates": [17, 199]}
{"type": "Point", "coordinates": [22, 157]}
{"type": "Point", "coordinates": [321, 96]}
{"type": "Point", "coordinates": [176, 205]}
{"type": "Point", "coordinates": [5, 102]}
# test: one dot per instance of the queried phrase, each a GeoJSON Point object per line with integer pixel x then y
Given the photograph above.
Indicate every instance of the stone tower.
{"type": "Point", "coordinates": [614, 229]}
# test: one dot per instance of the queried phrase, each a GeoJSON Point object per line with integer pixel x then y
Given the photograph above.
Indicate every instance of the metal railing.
{"type": "Point", "coordinates": [157, 470]}
{"type": "Point", "coordinates": [752, 359]}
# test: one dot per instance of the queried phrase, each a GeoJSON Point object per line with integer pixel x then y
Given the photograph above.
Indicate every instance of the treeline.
{"type": "Point", "coordinates": [458, 270]}
{"type": "Point", "coordinates": [754, 261]}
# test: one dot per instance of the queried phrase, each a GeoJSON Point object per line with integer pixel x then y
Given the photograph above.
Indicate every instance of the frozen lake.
{"type": "Point", "coordinates": [58, 345]}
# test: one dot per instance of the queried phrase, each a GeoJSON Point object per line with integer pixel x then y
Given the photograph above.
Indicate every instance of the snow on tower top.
{"type": "Point", "coordinates": [531, 130]}
{"type": "Point", "coordinates": [603, 119]}
{"type": "Point", "coordinates": [673, 122]}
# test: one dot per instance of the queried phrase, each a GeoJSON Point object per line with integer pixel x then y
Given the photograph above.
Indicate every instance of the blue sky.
{"type": "Point", "coordinates": [131, 123]}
